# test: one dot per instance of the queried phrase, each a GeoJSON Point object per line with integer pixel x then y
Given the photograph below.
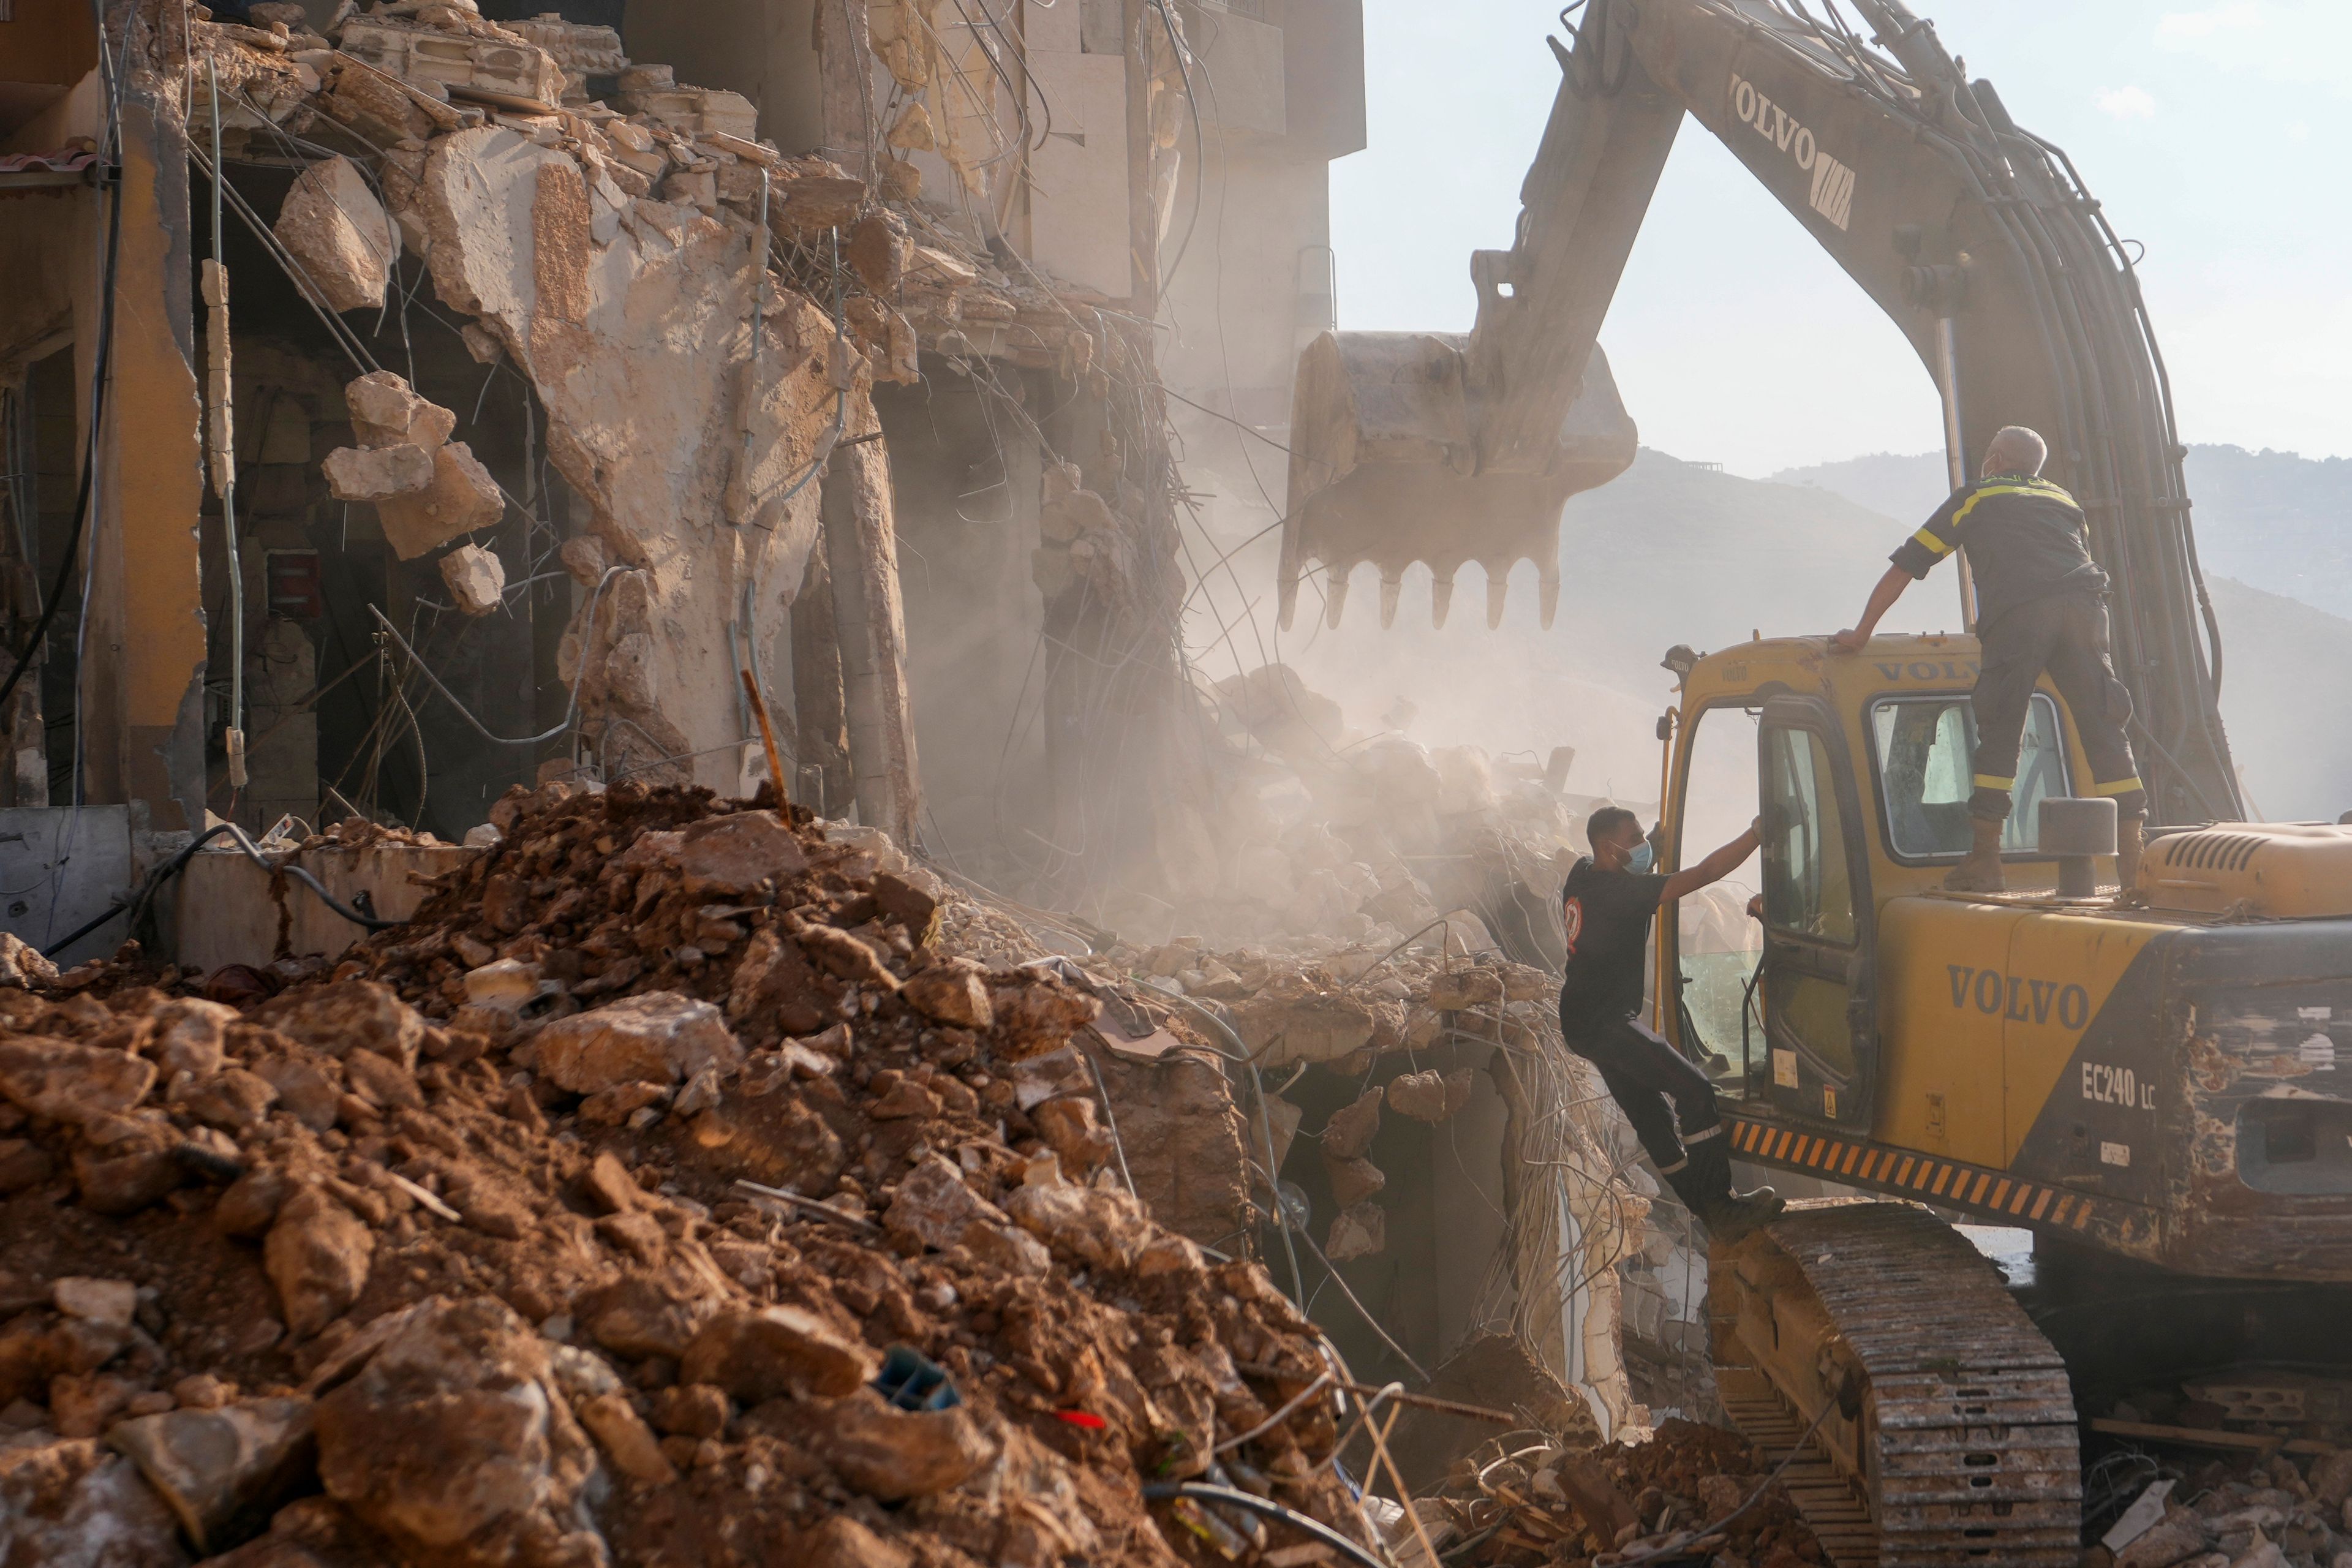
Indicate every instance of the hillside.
{"type": "Point", "coordinates": [2279, 521]}
{"type": "Point", "coordinates": [1672, 552]}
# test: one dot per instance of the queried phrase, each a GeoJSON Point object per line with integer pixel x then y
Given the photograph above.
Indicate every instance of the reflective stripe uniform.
{"type": "Point", "coordinates": [2041, 605]}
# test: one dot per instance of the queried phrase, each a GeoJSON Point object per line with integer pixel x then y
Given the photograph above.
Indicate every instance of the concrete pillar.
{"type": "Point", "coordinates": [862, 555]}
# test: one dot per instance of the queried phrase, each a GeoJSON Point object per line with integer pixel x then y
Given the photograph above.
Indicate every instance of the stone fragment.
{"type": "Point", "coordinates": [385, 411]}
{"type": "Point", "coordinates": [375, 473]}
{"type": "Point", "coordinates": [1459, 990]}
{"type": "Point", "coordinates": [691, 1409]}
{"type": "Point", "coordinates": [776, 1351]}
{"type": "Point", "coordinates": [660, 1036]}
{"type": "Point", "coordinates": [737, 853]}
{"type": "Point", "coordinates": [1356, 1232]}
{"type": "Point", "coordinates": [1349, 1133]}
{"type": "Point", "coordinates": [232, 1100]}
{"type": "Point", "coordinates": [894, 1455]}
{"type": "Point", "coordinates": [306, 1093]}
{"type": "Point", "coordinates": [331, 222]}
{"type": "Point", "coordinates": [65, 1082]}
{"type": "Point", "coordinates": [612, 1107]}
{"type": "Point", "coordinates": [1067, 1125]}
{"type": "Point", "coordinates": [348, 1015]}
{"type": "Point", "coordinates": [222, 1471]}
{"type": "Point", "coordinates": [953, 991]}
{"type": "Point", "coordinates": [455, 1441]}
{"type": "Point", "coordinates": [317, 1256]}
{"type": "Point", "coordinates": [630, 1318]}
{"type": "Point", "coordinates": [1008, 1249]}
{"type": "Point", "coordinates": [461, 498]}
{"type": "Point", "coordinates": [626, 1439]}
{"type": "Point", "coordinates": [381, 1082]}
{"type": "Point", "coordinates": [75, 1504]}
{"type": "Point", "coordinates": [250, 1205]}
{"type": "Point", "coordinates": [202, 1391]}
{"type": "Point", "coordinates": [2331, 1478]}
{"type": "Point", "coordinates": [107, 1301]}
{"type": "Point", "coordinates": [476, 578]}
{"type": "Point", "coordinates": [903, 1100]}
{"type": "Point", "coordinates": [1353, 1181]}
{"type": "Point", "coordinates": [1102, 1229]}
{"type": "Point", "coordinates": [21, 963]}
{"type": "Point", "coordinates": [125, 1177]}
{"type": "Point", "coordinates": [842, 954]}
{"type": "Point", "coordinates": [23, 1163]}
{"type": "Point", "coordinates": [1430, 1096]}
{"type": "Point", "coordinates": [189, 1035]}
{"type": "Point", "coordinates": [840, 1542]}
{"type": "Point", "coordinates": [913, 898]}
{"type": "Point", "coordinates": [609, 1184]}
{"type": "Point", "coordinates": [935, 1207]}
{"type": "Point", "coordinates": [2179, 1533]}
{"type": "Point", "coordinates": [82, 1404]}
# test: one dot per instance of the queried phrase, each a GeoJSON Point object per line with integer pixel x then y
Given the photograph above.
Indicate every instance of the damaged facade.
{"type": "Point", "coordinates": [808, 404]}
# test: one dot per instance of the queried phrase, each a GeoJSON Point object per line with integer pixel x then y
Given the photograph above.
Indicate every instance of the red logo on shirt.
{"type": "Point", "coordinates": [1571, 919]}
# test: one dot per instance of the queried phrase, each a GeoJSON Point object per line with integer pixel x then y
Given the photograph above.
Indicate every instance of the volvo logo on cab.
{"type": "Point", "coordinates": [1832, 191]}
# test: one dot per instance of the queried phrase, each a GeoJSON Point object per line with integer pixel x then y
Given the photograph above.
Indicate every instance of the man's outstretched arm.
{"type": "Point", "coordinates": [1882, 599]}
{"type": "Point", "coordinates": [1714, 868]}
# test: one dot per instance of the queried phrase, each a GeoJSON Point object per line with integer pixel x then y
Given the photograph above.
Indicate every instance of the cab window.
{"type": "Point", "coordinates": [1926, 747]}
{"type": "Point", "coordinates": [1718, 944]}
{"type": "Point", "coordinates": [1808, 882]}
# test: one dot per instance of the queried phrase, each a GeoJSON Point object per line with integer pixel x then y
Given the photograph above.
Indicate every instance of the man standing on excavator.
{"type": "Point", "coordinates": [2041, 605]}
{"type": "Point", "coordinates": [1606, 910]}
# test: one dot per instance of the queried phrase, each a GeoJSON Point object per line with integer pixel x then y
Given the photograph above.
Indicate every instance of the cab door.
{"type": "Point", "coordinates": [1821, 1027]}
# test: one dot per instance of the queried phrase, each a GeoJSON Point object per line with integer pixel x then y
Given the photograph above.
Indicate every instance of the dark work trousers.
{"type": "Point", "coordinates": [1644, 1074]}
{"type": "Point", "coordinates": [2066, 633]}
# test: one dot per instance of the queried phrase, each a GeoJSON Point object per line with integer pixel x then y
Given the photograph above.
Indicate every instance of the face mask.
{"type": "Point", "coordinates": [1645, 857]}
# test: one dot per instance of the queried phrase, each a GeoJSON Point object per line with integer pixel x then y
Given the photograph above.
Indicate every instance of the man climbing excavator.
{"type": "Point", "coordinates": [2150, 1085]}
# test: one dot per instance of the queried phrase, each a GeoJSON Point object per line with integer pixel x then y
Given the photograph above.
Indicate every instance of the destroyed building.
{"type": "Point", "coordinates": [434, 434]}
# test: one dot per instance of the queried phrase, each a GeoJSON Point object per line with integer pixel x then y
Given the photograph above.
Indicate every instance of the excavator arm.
{"type": "Point", "coordinates": [1976, 237]}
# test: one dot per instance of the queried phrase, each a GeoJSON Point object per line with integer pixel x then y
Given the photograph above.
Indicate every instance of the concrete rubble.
{"type": "Point", "coordinates": [408, 1300]}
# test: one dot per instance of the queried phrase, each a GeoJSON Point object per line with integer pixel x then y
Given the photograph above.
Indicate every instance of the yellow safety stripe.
{"type": "Point", "coordinates": [1964, 1186]}
{"type": "Point", "coordinates": [1985, 781]}
{"type": "Point", "coordinates": [1934, 546]}
{"type": "Point", "coordinates": [2121, 786]}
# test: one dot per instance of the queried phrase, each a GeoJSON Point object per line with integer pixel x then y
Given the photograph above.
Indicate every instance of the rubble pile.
{"type": "Point", "coordinates": [1690, 1493]}
{"type": "Point", "coordinates": [665, 1191]}
{"type": "Point", "coordinates": [2282, 1511]}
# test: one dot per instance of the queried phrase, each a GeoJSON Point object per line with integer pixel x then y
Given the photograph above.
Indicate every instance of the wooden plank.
{"type": "Point", "coordinates": [2205, 1438]}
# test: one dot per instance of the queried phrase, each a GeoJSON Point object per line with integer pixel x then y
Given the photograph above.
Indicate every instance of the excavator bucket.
{"type": "Point", "coordinates": [1385, 467]}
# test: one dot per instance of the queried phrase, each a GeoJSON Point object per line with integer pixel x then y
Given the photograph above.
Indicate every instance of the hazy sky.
{"type": "Point", "coordinates": [2215, 131]}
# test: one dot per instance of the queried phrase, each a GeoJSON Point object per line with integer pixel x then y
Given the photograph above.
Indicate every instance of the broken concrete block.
{"type": "Point", "coordinates": [735, 854]}
{"type": "Point", "coordinates": [344, 1017]}
{"type": "Point", "coordinates": [695, 110]}
{"type": "Point", "coordinates": [21, 963]}
{"type": "Point", "coordinates": [317, 1256]}
{"type": "Point", "coordinates": [953, 991]}
{"type": "Point", "coordinates": [110, 1302]}
{"type": "Point", "coordinates": [1357, 1232]}
{"type": "Point", "coordinates": [376, 473]}
{"type": "Point", "coordinates": [222, 1471]}
{"type": "Point", "coordinates": [75, 1502]}
{"type": "Point", "coordinates": [385, 411]}
{"type": "Point", "coordinates": [1353, 1181]}
{"type": "Point", "coordinates": [626, 1439]}
{"type": "Point", "coordinates": [331, 222]}
{"type": "Point", "coordinates": [776, 1353]}
{"type": "Point", "coordinates": [477, 579]}
{"type": "Point", "coordinates": [1101, 1228]}
{"type": "Point", "coordinates": [67, 1082]}
{"type": "Point", "coordinates": [659, 1037]}
{"type": "Point", "coordinates": [1068, 1127]}
{"type": "Point", "coordinates": [461, 498]}
{"type": "Point", "coordinates": [934, 1206]}
{"type": "Point", "coordinates": [190, 1034]}
{"type": "Point", "coordinates": [495, 67]}
{"type": "Point", "coordinates": [897, 1454]}
{"type": "Point", "coordinates": [1430, 1096]}
{"type": "Point", "coordinates": [1350, 1133]}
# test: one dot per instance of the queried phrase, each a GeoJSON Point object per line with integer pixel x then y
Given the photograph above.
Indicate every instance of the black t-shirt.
{"type": "Point", "coordinates": [2026, 538]}
{"type": "Point", "coordinates": [1607, 916]}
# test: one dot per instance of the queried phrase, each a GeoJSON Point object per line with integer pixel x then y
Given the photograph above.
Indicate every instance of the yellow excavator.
{"type": "Point", "coordinates": [2153, 1085]}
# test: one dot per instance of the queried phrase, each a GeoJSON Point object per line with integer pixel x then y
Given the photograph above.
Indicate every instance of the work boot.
{"type": "Point", "coordinates": [1980, 873]}
{"type": "Point", "coordinates": [2131, 838]}
{"type": "Point", "coordinates": [1705, 1190]}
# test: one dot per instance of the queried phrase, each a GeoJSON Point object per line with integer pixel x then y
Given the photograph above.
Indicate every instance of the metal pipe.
{"type": "Point", "coordinates": [1956, 456]}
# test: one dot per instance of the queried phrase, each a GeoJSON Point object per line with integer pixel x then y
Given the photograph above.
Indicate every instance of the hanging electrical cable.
{"type": "Point", "coordinates": [220, 442]}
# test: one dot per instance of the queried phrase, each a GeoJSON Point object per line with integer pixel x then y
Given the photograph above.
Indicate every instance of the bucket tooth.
{"type": "Point", "coordinates": [1548, 590]}
{"type": "Point", "coordinates": [1335, 594]}
{"type": "Point", "coordinates": [1498, 589]}
{"type": "Point", "coordinates": [1440, 599]}
{"type": "Point", "coordinates": [1389, 585]}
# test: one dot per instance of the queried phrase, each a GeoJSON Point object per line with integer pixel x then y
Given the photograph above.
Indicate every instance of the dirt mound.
{"type": "Point", "coordinates": [444, 1257]}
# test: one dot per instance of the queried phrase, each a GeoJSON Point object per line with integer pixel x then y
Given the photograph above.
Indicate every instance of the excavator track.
{"type": "Point", "coordinates": [1937, 1422]}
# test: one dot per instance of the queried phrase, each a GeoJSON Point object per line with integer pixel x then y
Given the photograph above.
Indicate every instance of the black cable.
{"type": "Point", "coordinates": [137, 907]}
{"type": "Point", "coordinates": [1233, 1497]}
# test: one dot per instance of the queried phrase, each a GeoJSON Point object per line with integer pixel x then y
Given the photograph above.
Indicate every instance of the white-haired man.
{"type": "Point", "coordinates": [2041, 605]}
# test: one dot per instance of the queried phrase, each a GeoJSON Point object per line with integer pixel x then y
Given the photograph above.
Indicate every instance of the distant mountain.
{"type": "Point", "coordinates": [1671, 553]}
{"type": "Point", "coordinates": [2279, 521]}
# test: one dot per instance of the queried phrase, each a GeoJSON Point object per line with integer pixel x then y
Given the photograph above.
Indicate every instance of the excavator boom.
{"type": "Point", "coordinates": [1975, 237]}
